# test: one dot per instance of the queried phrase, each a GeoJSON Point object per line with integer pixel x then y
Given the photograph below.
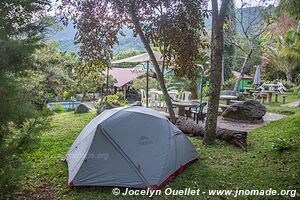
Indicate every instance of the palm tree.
{"type": "Point", "coordinates": [284, 53]}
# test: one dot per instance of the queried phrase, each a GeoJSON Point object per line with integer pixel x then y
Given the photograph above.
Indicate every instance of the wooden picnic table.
{"type": "Point", "coordinates": [227, 98]}
{"type": "Point", "coordinates": [184, 104]}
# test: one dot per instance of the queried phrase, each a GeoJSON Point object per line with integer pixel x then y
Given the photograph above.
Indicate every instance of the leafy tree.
{"type": "Point", "coordinates": [217, 49]}
{"type": "Point", "coordinates": [253, 25]}
{"type": "Point", "coordinates": [229, 33]}
{"type": "Point", "coordinates": [175, 26]}
{"type": "Point", "coordinates": [140, 83]}
{"type": "Point", "coordinates": [88, 77]}
{"type": "Point", "coordinates": [52, 73]}
{"type": "Point", "coordinates": [284, 53]}
{"type": "Point", "coordinates": [22, 27]}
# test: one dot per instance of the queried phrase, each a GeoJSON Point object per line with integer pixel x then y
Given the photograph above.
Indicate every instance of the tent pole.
{"type": "Point", "coordinates": [147, 84]}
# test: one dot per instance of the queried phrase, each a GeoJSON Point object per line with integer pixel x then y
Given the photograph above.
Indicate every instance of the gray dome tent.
{"type": "Point", "coordinates": [128, 147]}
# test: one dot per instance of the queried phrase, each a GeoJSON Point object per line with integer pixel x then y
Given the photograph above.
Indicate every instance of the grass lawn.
{"type": "Point", "coordinates": [221, 166]}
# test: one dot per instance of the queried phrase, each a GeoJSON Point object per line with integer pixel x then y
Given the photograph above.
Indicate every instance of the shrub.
{"type": "Point", "coordinates": [17, 139]}
{"type": "Point", "coordinates": [281, 144]}
{"type": "Point", "coordinates": [58, 108]}
{"type": "Point", "coordinates": [140, 83]}
{"type": "Point", "coordinates": [296, 90]}
{"type": "Point", "coordinates": [205, 91]}
{"type": "Point", "coordinates": [229, 84]}
{"type": "Point", "coordinates": [113, 99]}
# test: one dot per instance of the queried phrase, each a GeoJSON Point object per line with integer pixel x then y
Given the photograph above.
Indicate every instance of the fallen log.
{"type": "Point", "coordinates": [237, 138]}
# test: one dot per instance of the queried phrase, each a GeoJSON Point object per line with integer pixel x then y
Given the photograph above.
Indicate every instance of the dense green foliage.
{"type": "Point", "coordinates": [22, 28]}
{"type": "Point", "coordinates": [141, 83]}
{"type": "Point", "coordinates": [284, 53]}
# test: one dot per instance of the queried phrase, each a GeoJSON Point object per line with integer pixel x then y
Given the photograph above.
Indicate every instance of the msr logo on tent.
{"type": "Point", "coordinates": [144, 140]}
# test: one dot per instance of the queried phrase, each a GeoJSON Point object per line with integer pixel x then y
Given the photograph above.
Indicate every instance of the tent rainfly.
{"type": "Point", "coordinates": [129, 147]}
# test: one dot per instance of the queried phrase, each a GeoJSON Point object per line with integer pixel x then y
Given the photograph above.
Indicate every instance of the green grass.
{"type": "Point", "coordinates": [221, 166]}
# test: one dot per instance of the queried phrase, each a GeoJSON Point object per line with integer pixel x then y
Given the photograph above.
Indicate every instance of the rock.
{"type": "Point", "coordinates": [232, 93]}
{"type": "Point", "coordinates": [137, 103]}
{"type": "Point", "coordinates": [248, 111]}
{"type": "Point", "coordinates": [82, 108]}
{"type": "Point", "coordinates": [105, 106]}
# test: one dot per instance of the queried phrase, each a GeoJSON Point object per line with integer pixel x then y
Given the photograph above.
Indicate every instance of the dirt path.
{"type": "Point", "coordinates": [269, 117]}
{"type": "Point", "coordinates": [292, 104]}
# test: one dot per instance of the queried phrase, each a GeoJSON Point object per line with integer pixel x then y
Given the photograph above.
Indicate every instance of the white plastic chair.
{"type": "Point", "coordinates": [143, 96]}
{"type": "Point", "coordinates": [186, 96]}
{"type": "Point", "coordinates": [154, 102]}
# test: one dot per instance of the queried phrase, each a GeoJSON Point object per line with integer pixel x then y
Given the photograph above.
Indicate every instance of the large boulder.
{"type": "Point", "coordinates": [248, 111]}
{"type": "Point", "coordinates": [105, 106]}
{"type": "Point", "coordinates": [82, 108]}
{"type": "Point", "coordinates": [232, 93]}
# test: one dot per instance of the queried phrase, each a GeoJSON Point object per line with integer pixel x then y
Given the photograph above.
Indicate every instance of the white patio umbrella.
{"type": "Point", "coordinates": [142, 58]}
{"type": "Point", "coordinates": [256, 79]}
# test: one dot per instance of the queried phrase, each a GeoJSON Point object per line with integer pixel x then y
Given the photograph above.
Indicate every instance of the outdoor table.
{"type": "Point", "coordinates": [184, 104]}
{"type": "Point", "coordinates": [227, 98]}
{"type": "Point", "coordinates": [269, 95]}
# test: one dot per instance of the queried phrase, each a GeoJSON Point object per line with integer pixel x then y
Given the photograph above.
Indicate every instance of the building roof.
{"type": "Point", "coordinates": [238, 75]}
{"type": "Point", "coordinates": [125, 75]}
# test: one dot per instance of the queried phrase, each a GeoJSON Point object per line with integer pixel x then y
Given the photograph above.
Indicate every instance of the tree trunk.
{"type": "Point", "coordinates": [194, 90]}
{"type": "Point", "coordinates": [243, 69]}
{"type": "Point", "coordinates": [289, 76]}
{"type": "Point", "coordinates": [159, 74]}
{"type": "Point", "coordinates": [237, 138]}
{"type": "Point", "coordinates": [217, 47]}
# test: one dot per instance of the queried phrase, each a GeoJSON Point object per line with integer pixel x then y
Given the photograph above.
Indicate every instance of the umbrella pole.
{"type": "Point", "coordinates": [147, 84]}
{"type": "Point", "coordinates": [201, 84]}
{"type": "Point", "coordinates": [107, 74]}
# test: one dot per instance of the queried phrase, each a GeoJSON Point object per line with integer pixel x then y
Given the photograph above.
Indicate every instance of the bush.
{"type": "Point", "coordinates": [296, 90]}
{"type": "Point", "coordinates": [140, 83]}
{"type": "Point", "coordinates": [18, 139]}
{"type": "Point", "coordinates": [58, 108]}
{"type": "Point", "coordinates": [281, 144]}
{"type": "Point", "coordinates": [229, 84]}
{"type": "Point", "coordinates": [205, 91]}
